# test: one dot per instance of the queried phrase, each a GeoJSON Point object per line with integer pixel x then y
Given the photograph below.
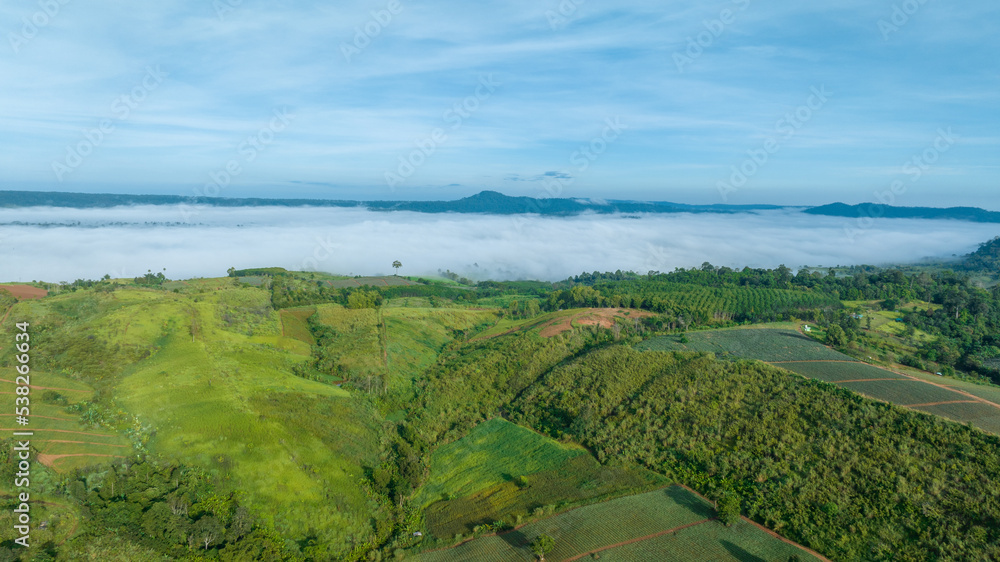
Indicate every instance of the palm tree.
{"type": "Point", "coordinates": [397, 265]}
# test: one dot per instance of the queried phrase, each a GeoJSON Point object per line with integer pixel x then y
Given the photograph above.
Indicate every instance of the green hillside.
{"type": "Point", "coordinates": [276, 416]}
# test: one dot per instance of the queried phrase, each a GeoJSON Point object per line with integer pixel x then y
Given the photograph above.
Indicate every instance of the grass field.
{"type": "Point", "coordinates": [477, 479]}
{"type": "Point", "coordinates": [207, 393]}
{"type": "Point", "coordinates": [594, 528]}
{"type": "Point", "coordinates": [413, 337]}
{"type": "Point", "coordinates": [294, 323]}
{"type": "Point", "coordinates": [792, 351]}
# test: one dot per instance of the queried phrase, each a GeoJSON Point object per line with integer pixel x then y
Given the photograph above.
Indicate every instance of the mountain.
{"type": "Point", "coordinates": [487, 202]}
{"type": "Point", "coordinates": [972, 214]}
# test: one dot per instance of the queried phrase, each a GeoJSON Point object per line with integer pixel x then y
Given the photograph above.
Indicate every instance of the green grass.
{"type": "Point", "coordinates": [414, 338]}
{"type": "Point", "coordinates": [207, 377]}
{"type": "Point", "coordinates": [494, 452]}
{"type": "Point", "coordinates": [477, 479]}
{"type": "Point", "coordinates": [294, 324]}
{"type": "Point", "coordinates": [417, 335]}
{"type": "Point", "coordinates": [596, 527]}
{"type": "Point", "coordinates": [757, 343]}
{"type": "Point", "coordinates": [509, 325]}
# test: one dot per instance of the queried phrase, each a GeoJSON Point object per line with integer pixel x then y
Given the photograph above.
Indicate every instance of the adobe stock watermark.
{"type": "Point", "coordinates": [784, 129]}
{"type": "Point", "coordinates": [247, 151]}
{"type": "Point", "coordinates": [32, 25]}
{"type": "Point", "coordinates": [714, 29]}
{"type": "Point", "coordinates": [901, 15]}
{"type": "Point", "coordinates": [225, 7]}
{"type": "Point", "coordinates": [365, 34]}
{"type": "Point", "coordinates": [455, 117]}
{"type": "Point", "coordinates": [914, 169]}
{"type": "Point", "coordinates": [563, 14]}
{"type": "Point", "coordinates": [121, 109]}
{"type": "Point", "coordinates": [554, 184]}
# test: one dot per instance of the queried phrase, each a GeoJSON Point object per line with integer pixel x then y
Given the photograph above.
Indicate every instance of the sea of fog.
{"type": "Point", "coordinates": [54, 244]}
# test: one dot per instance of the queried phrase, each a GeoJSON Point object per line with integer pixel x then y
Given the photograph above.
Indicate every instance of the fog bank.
{"type": "Point", "coordinates": [66, 244]}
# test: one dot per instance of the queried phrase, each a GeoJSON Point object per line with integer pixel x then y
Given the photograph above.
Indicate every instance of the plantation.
{"type": "Point", "coordinates": [837, 371]}
{"type": "Point", "coordinates": [589, 528]}
{"type": "Point", "coordinates": [504, 472]}
{"type": "Point", "coordinates": [767, 345]}
{"type": "Point", "coordinates": [710, 541]}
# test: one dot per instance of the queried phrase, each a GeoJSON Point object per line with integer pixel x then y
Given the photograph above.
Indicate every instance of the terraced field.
{"type": "Point", "coordinates": [670, 523]}
{"type": "Point", "coordinates": [949, 398]}
{"type": "Point", "coordinates": [63, 441]}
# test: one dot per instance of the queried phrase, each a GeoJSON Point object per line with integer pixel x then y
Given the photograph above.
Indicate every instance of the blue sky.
{"type": "Point", "coordinates": [814, 102]}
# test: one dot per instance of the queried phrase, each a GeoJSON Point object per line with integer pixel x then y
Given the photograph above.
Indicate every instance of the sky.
{"type": "Point", "coordinates": [734, 101]}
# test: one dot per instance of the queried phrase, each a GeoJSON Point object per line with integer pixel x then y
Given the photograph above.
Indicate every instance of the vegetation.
{"type": "Point", "coordinates": [273, 414]}
{"type": "Point", "coordinates": [602, 528]}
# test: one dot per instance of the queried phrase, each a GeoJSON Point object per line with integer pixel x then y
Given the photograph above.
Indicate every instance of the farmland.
{"type": "Point", "coordinates": [24, 291]}
{"type": "Point", "coordinates": [64, 438]}
{"type": "Point", "coordinates": [792, 351]}
{"type": "Point", "coordinates": [342, 421]}
{"type": "Point", "coordinates": [768, 345]}
{"type": "Point", "coordinates": [501, 471]}
{"type": "Point", "coordinates": [645, 517]}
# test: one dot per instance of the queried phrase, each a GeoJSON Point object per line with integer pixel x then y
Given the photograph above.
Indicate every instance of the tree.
{"type": "Point", "coordinates": [542, 545]}
{"type": "Point", "coordinates": [231, 272]}
{"type": "Point", "coordinates": [836, 336]}
{"type": "Point", "coordinates": [208, 530]}
{"type": "Point", "coordinates": [397, 265]}
{"type": "Point", "coordinates": [729, 509]}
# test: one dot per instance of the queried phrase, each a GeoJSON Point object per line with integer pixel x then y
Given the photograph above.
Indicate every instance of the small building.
{"type": "Point", "coordinates": [807, 328]}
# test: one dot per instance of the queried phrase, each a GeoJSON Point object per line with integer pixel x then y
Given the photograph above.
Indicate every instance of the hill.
{"type": "Point", "coordinates": [487, 202]}
{"type": "Point", "coordinates": [876, 210]}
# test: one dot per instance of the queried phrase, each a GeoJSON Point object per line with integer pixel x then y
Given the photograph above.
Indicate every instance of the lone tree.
{"type": "Point", "coordinates": [397, 265]}
{"type": "Point", "coordinates": [542, 545]}
{"type": "Point", "coordinates": [729, 508]}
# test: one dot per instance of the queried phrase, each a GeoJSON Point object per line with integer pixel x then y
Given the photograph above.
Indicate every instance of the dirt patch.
{"type": "Point", "coordinates": [603, 317]}
{"type": "Point", "coordinates": [25, 292]}
{"type": "Point", "coordinates": [929, 404]}
{"type": "Point", "coordinates": [49, 460]}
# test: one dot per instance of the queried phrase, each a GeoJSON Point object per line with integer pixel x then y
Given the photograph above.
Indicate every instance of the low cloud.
{"type": "Point", "coordinates": [125, 242]}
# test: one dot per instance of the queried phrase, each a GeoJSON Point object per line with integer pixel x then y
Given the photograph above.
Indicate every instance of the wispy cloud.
{"type": "Point", "coordinates": [356, 117]}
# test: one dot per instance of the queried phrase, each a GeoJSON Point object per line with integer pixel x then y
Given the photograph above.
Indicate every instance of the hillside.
{"type": "Point", "coordinates": [300, 416]}
{"type": "Point", "coordinates": [877, 210]}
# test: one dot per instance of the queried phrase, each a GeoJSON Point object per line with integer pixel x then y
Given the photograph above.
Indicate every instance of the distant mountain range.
{"type": "Point", "coordinates": [488, 202]}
